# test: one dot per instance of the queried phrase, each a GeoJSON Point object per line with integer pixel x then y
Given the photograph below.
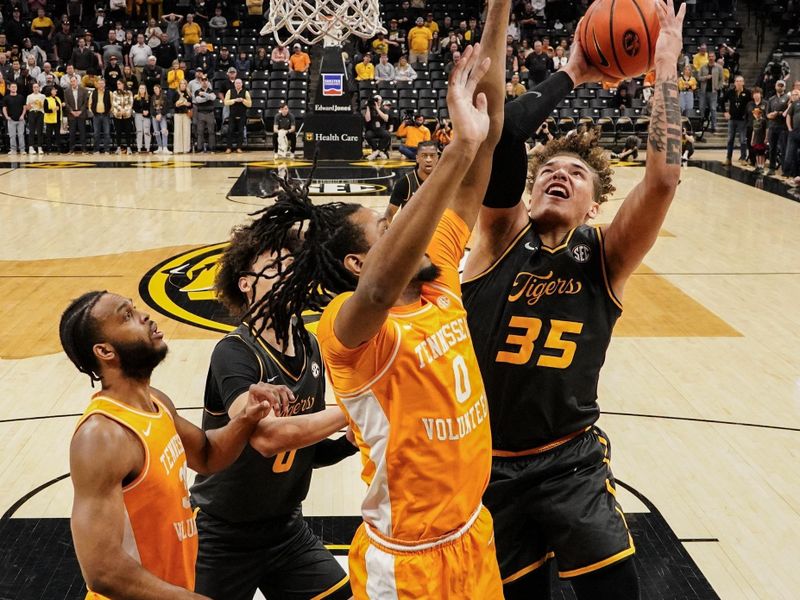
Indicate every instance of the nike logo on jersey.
{"type": "Point", "coordinates": [531, 247]}
{"type": "Point", "coordinates": [535, 94]}
{"type": "Point", "coordinates": [146, 432]}
{"type": "Point", "coordinates": [271, 379]}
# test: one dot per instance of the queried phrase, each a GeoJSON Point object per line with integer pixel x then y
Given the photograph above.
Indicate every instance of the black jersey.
{"type": "Point", "coordinates": [254, 487]}
{"type": "Point", "coordinates": [406, 187]}
{"type": "Point", "coordinates": [541, 320]}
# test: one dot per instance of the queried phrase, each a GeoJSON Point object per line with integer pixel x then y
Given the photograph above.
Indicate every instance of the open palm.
{"type": "Point", "coordinates": [468, 111]}
{"type": "Point", "coordinates": [670, 39]}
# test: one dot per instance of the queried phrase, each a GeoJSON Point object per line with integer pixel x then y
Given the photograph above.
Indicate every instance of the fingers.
{"type": "Point", "coordinates": [481, 103]}
{"type": "Point", "coordinates": [681, 14]}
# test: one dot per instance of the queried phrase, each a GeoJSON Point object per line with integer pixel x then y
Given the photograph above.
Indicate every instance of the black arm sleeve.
{"type": "Point", "coordinates": [329, 452]}
{"type": "Point", "coordinates": [400, 192]}
{"type": "Point", "coordinates": [234, 368]}
{"type": "Point", "coordinates": [523, 116]}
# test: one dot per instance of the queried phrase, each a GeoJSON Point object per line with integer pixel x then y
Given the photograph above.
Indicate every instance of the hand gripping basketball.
{"type": "Point", "coordinates": [468, 112]}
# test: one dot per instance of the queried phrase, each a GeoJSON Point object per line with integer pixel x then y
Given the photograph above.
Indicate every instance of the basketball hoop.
{"type": "Point", "coordinates": [310, 21]}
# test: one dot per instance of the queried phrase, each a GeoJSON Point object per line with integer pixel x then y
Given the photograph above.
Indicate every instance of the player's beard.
{"type": "Point", "coordinates": [428, 273]}
{"type": "Point", "coordinates": [138, 359]}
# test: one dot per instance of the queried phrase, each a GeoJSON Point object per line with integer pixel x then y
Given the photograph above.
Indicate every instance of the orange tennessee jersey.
{"type": "Point", "coordinates": [414, 397]}
{"type": "Point", "coordinates": [160, 530]}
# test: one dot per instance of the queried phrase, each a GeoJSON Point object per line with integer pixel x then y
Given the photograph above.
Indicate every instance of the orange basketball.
{"type": "Point", "coordinates": [620, 36]}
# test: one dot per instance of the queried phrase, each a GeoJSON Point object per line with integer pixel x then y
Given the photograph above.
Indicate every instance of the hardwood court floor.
{"type": "Point", "coordinates": [701, 388]}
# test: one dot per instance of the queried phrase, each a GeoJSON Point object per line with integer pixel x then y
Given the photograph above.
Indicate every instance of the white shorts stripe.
{"type": "Point", "coordinates": [381, 583]}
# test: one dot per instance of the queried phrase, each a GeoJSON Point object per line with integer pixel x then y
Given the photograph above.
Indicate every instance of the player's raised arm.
{"type": "Point", "coordinates": [635, 227]}
{"type": "Point", "coordinates": [98, 514]}
{"type": "Point", "coordinates": [395, 258]}
{"type": "Point", "coordinates": [467, 200]}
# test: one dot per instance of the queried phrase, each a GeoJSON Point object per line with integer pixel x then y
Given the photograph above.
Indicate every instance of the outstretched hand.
{"type": "Point", "coordinates": [670, 39]}
{"type": "Point", "coordinates": [468, 112]}
{"type": "Point", "coordinates": [263, 398]}
{"type": "Point", "coordinates": [578, 67]}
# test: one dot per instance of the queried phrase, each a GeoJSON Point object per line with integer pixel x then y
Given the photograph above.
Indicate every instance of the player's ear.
{"type": "Point", "coordinates": [244, 285]}
{"type": "Point", "coordinates": [104, 352]}
{"type": "Point", "coordinates": [593, 210]}
{"type": "Point", "coordinates": [354, 263]}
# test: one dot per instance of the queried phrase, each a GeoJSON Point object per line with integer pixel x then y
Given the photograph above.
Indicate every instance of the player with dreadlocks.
{"type": "Point", "coordinates": [132, 524]}
{"type": "Point", "coordinates": [251, 526]}
{"type": "Point", "coordinates": [400, 355]}
{"type": "Point", "coordinates": [542, 291]}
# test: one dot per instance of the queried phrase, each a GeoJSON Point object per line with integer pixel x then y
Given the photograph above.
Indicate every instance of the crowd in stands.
{"type": "Point", "coordinates": [130, 76]}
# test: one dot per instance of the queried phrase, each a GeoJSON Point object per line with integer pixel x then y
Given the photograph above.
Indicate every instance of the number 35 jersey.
{"type": "Point", "coordinates": [541, 320]}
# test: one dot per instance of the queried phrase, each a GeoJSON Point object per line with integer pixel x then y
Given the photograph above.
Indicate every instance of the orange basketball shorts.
{"type": "Point", "coordinates": [456, 566]}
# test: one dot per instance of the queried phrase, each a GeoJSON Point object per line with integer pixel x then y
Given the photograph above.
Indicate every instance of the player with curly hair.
{"type": "Point", "coordinates": [542, 290]}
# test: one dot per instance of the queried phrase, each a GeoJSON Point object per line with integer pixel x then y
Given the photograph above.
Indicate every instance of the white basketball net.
{"type": "Point", "coordinates": [310, 21]}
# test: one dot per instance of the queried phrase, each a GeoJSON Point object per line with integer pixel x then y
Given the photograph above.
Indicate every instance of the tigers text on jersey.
{"type": "Point", "coordinates": [415, 399]}
{"type": "Point", "coordinates": [542, 320]}
{"type": "Point", "coordinates": [255, 488]}
{"type": "Point", "coordinates": [160, 530]}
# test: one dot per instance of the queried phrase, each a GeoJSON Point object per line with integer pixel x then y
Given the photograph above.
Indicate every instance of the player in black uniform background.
{"type": "Point", "coordinates": [251, 529]}
{"type": "Point", "coordinates": [427, 157]}
{"type": "Point", "coordinates": [542, 291]}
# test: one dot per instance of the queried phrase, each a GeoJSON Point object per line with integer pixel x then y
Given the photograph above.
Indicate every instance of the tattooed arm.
{"type": "Point", "coordinates": [635, 227]}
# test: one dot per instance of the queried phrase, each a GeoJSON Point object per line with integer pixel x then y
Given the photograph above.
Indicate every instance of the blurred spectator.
{"type": "Point", "coordinates": [113, 72]}
{"type": "Point", "coordinates": [173, 29]}
{"type": "Point", "coordinates": [158, 119]}
{"type": "Point", "coordinates": [538, 64]}
{"type": "Point", "coordinates": [731, 57]}
{"type": "Point", "coordinates": [63, 42]}
{"type": "Point", "coordinates": [414, 131]}
{"type": "Point", "coordinates": [35, 113]}
{"type": "Point", "coordinates": [194, 84]}
{"type": "Point", "coordinates": [175, 74]}
{"type": "Point", "coordinates": [112, 48]}
{"type": "Point", "coordinates": [238, 100]}
{"type": "Point", "coordinates": [122, 111]}
{"type": "Point", "coordinates": [242, 62]}
{"type": "Point", "coordinates": [790, 159]}
{"type": "Point", "coordinates": [15, 28]}
{"type": "Point", "coordinates": [776, 107]}
{"type": "Point", "coordinates": [152, 34]}
{"type": "Point", "coordinates": [139, 54]}
{"type": "Point", "coordinates": [736, 102]}
{"type": "Point", "coordinates": [204, 121]}
{"type": "Point", "coordinates": [141, 119]}
{"type": "Point", "coordinates": [559, 59]}
{"type": "Point", "coordinates": [448, 68]}
{"type": "Point", "coordinates": [775, 70]}
{"type": "Point", "coordinates": [509, 92]}
{"type": "Point", "coordinates": [100, 107]}
{"type": "Point", "coordinates": [447, 26]}
{"type": "Point", "coordinates": [5, 66]}
{"type": "Point", "coordinates": [218, 22]}
{"type": "Point", "coordinates": [190, 35]}
{"type": "Point", "coordinates": [687, 146]}
{"type": "Point", "coordinates": [225, 60]}
{"type": "Point", "coordinates": [758, 138]}
{"type": "Point", "coordinates": [450, 43]}
{"type": "Point", "coordinates": [443, 134]}
{"type": "Point", "coordinates": [430, 23]}
{"type": "Point", "coordinates": [261, 61]}
{"type": "Point", "coordinates": [404, 71]}
{"type": "Point", "coordinates": [82, 58]}
{"type": "Point", "coordinates": [473, 32]}
{"type": "Point", "coordinates": [526, 17]}
{"type": "Point", "coordinates": [42, 29]}
{"type": "Point", "coordinates": [380, 45]}
{"type": "Point", "coordinates": [299, 61]}
{"type": "Point", "coordinates": [284, 126]}
{"type": "Point", "coordinates": [396, 38]}
{"type": "Point", "coordinates": [513, 28]}
{"type": "Point", "coordinates": [165, 52]}
{"type": "Point", "coordinates": [127, 45]}
{"type": "Point", "coordinates": [33, 68]}
{"type": "Point", "coordinates": [700, 59]}
{"type": "Point", "coordinates": [30, 49]}
{"type": "Point", "coordinates": [419, 42]}
{"type": "Point", "coordinates": [512, 64]}
{"type": "Point", "coordinates": [365, 70]}
{"type": "Point", "coordinates": [759, 102]}
{"type": "Point", "coordinates": [621, 100]}
{"type": "Point", "coordinates": [53, 113]}
{"type": "Point", "coordinates": [710, 81]}
{"type": "Point", "coordinates": [203, 59]}
{"type": "Point", "coordinates": [76, 103]}
{"type": "Point", "coordinates": [131, 81]}
{"type": "Point", "coordinates": [629, 151]}
{"type": "Point", "coordinates": [376, 128]}
{"type": "Point", "coordinates": [384, 71]}
{"type": "Point", "coordinates": [280, 53]}
{"type": "Point", "coordinates": [517, 89]}
{"type": "Point", "coordinates": [687, 85]}
{"type": "Point", "coordinates": [14, 109]}
{"type": "Point", "coordinates": [182, 136]}
{"type": "Point", "coordinates": [152, 74]}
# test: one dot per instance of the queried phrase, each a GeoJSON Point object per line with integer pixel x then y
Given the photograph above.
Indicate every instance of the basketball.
{"type": "Point", "coordinates": [619, 36]}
